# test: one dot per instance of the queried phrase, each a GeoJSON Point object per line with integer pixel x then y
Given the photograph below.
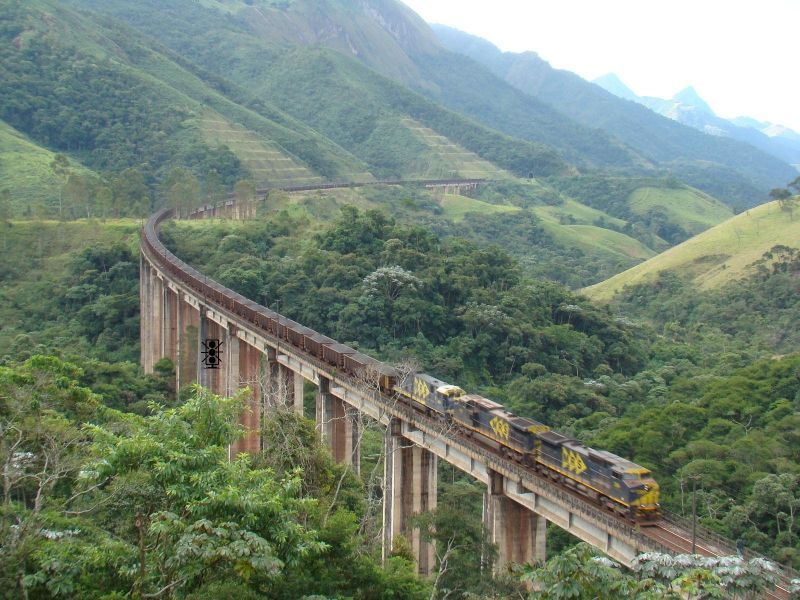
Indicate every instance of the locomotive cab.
{"type": "Point", "coordinates": [641, 489]}
{"type": "Point", "coordinates": [450, 391]}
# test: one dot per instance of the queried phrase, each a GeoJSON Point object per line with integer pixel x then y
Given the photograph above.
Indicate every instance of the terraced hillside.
{"type": "Point", "coordinates": [265, 161]}
{"type": "Point", "coordinates": [448, 159]}
{"type": "Point", "coordinates": [719, 255]}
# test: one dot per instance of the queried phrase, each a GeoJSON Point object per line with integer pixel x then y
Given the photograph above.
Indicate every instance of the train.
{"type": "Point", "coordinates": [610, 481]}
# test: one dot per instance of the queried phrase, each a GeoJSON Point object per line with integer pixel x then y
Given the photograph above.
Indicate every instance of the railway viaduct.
{"type": "Point", "coordinates": [178, 315]}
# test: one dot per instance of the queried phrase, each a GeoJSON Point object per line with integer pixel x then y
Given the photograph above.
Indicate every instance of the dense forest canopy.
{"type": "Point", "coordinates": [713, 408]}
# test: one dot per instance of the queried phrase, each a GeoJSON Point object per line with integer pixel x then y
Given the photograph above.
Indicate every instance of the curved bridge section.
{"type": "Point", "coordinates": [222, 340]}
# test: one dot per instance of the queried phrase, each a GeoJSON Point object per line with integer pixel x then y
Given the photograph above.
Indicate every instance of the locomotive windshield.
{"type": "Point", "coordinates": [451, 391]}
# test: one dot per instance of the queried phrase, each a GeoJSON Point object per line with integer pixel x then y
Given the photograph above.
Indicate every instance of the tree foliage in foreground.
{"type": "Point", "coordinates": [581, 574]}
{"type": "Point", "coordinates": [102, 504]}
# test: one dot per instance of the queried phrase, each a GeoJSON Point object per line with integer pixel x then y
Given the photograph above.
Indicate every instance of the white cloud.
{"type": "Point", "coordinates": [741, 56]}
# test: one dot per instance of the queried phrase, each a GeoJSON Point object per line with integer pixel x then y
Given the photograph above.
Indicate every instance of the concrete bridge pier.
{"type": "Point", "coordinates": [299, 384]}
{"type": "Point", "coordinates": [248, 374]}
{"type": "Point", "coordinates": [169, 325]}
{"type": "Point", "coordinates": [337, 425]}
{"type": "Point", "coordinates": [188, 319]}
{"type": "Point", "coordinates": [410, 480]}
{"type": "Point", "coordinates": [289, 386]}
{"type": "Point", "coordinates": [519, 533]}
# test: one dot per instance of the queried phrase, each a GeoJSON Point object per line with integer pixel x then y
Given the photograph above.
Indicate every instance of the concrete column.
{"type": "Point", "coordinates": [249, 369]}
{"type": "Point", "coordinates": [519, 534]}
{"type": "Point", "coordinates": [324, 408]}
{"type": "Point", "coordinates": [169, 325]}
{"type": "Point", "coordinates": [214, 376]}
{"type": "Point", "coordinates": [299, 386]}
{"type": "Point", "coordinates": [187, 342]}
{"type": "Point", "coordinates": [148, 322]}
{"type": "Point", "coordinates": [157, 299]}
{"type": "Point", "coordinates": [179, 341]}
{"type": "Point", "coordinates": [232, 376]}
{"type": "Point", "coordinates": [143, 314]}
{"type": "Point", "coordinates": [337, 425]}
{"type": "Point", "coordinates": [410, 479]}
{"type": "Point", "coordinates": [274, 384]}
{"type": "Point", "coordinates": [202, 335]}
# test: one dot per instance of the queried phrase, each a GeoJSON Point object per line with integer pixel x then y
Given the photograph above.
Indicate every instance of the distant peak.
{"type": "Point", "coordinates": [690, 97]}
{"type": "Point", "coordinates": [610, 82]}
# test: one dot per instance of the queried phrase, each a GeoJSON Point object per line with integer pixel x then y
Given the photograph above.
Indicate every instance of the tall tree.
{"type": "Point", "coordinates": [60, 167]}
{"type": "Point", "coordinates": [183, 190]}
{"type": "Point", "coordinates": [131, 194]}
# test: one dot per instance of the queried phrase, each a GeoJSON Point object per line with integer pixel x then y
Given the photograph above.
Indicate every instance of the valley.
{"type": "Point", "coordinates": [619, 276]}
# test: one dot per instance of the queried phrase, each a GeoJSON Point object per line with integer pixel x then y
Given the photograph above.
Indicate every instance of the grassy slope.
{"type": "Point", "coordinates": [581, 233]}
{"type": "Point", "coordinates": [571, 209]}
{"type": "Point", "coordinates": [690, 209]}
{"type": "Point", "coordinates": [25, 171]}
{"type": "Point", "coordinates": [33, 259]}
{"type": "Point", "coordinates": [456, 206]}
{"type": "Point", "coordinates": [716, 256]}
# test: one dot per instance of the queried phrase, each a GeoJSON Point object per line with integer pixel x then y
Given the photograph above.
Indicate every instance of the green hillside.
{"type": "Point", "coordinates": [689, 209]}
{"type": "Point", "coordinates": [26, 172]}
{"type": "Point", "coordinates": [456, 207]}
{"type": "Point", "coordinates": [114, 99]}
{"type": "Point", "coordinates": [33, 265]}
{"type": "Point", "coordinates": [394, 130]}
{"type": "Point", "coordinates": [669, 211]}
{"type": "Point", "coordinates": [716, 256]}
{"type": "Point", "coordinates": [385, 36]}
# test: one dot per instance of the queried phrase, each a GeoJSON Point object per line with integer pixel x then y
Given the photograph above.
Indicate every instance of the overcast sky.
{"type": "Point", "coordinates": [742, 56]}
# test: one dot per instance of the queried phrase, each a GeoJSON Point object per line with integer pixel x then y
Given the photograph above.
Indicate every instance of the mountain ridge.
{"type": "Point", "coordinates": [689, 108]}
{"type": "Point", "coordinates": [691, 155]}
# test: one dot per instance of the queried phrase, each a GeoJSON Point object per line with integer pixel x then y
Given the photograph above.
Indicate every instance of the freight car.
{"type": "Point", "coordinates": [609, 480]}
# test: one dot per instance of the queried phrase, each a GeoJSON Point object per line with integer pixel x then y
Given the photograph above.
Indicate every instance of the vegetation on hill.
{"type": "Point", "coordinates": [99, 503]}
{"type": "Point", "coordinates": [29, 183]}
{"type": "Point", "coordinates": [70, 286]}
{"type": "Point", "coordinates": [669, 210]}
{"type": "Point", "coordinates": [388, 38]}
{"type": "Point", "coordinates": [717, 256]}
{"type": "Point", "coordinates": [116, 100]}
{"type": "Point", "coordinates": [462, 311]}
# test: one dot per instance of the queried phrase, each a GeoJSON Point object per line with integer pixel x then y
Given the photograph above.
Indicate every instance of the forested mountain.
{"type": "Point", "coordinates": [707, 162]}
{"type": "Point", "coordinates": [385, 36]}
